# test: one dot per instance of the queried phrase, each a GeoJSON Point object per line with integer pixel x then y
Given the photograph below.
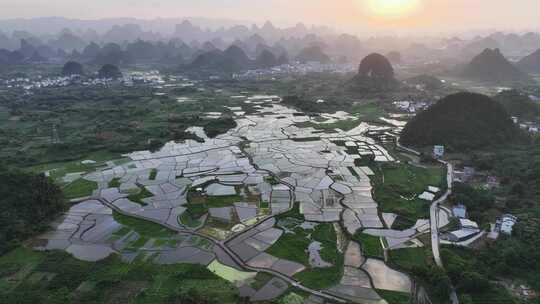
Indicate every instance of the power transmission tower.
{"type": "Point", "coordinates": [55, 137]}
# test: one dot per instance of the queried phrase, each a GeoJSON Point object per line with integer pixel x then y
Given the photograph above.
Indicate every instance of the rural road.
{"type": "Point", "coordinates": [434, 216]}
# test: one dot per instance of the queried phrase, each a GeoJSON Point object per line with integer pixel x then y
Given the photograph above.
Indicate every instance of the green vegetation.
{"type": "Point", "coordinates": [461, 121]}
{"type": "Point", "coordinates": [371, 245]}
{"type": "Point", "coordinates": [143, 227]}
{"type": "Point", "coordinates": [28, 203]}
{"type": "Point", "coordinates": [199, 204]}
{"type": "Point", "coordinates": [57, 170]}
{"type": "Point", "coordinates": [80, 188]}
{"type": "Point", "coordinates": [272, 180]}
{"type": "Point", "coordinates": [396, 187]}
{"type": "Point", "coordinates": [366, 112]}
{"type": "Point", "coordinates": [393, 297]}
{"type": "Point", "coordinates": [189, 220]}
{"type": "Point", "coordinates": [153, 174]}
{"type": "Point", "coordinates": [56, 277]}
{"type": "Point", "coordinates": [472, 276]}
{"type": "Point", "coordinates": [105, 120]}
{"type": "Point", "coordinates": [515, 258]}
{"type": "Point", "coordinates": [229, 273]}
{"type": "Point", "coordinates": [478, 201]}
{"type": "Point", "coordinates": [293, 247]}
{"type": "Point", "coordinates": [319, 278]}
{"type": "Point", "coordinates": [196, 210]}
{"type": "Point", "coordinates": [402, 223]}
{"type": "Point", "coordinates": [291, 298]}
{"type": "Point", "coordinates": [139, 196]}
{"type": "Point", "coordinates": [260, 280]}
{"type": "Point", "coordinates": [410, 258]}
{"type": "Point", "coordinates": [114, 183]}
{"type": "Point", "coordinates": [518, 104]}
{"type": "Point", "coordinates": [293, 213]}
{"type": "Point", "coordinates": [222, 201]}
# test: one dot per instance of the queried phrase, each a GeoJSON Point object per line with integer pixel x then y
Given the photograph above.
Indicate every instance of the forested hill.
{"type": "Point", "coordinates": [461, 121]}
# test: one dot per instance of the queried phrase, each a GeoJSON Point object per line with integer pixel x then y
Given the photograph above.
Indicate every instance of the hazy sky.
{"type": "Point", "coordinates": [432, 15]}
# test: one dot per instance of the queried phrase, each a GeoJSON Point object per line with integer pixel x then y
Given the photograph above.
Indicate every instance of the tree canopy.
{"type": "Point", "coordinates": [109, 71]}
{"type": "Point", "coordinates": [72, 68]}
{"type": "Point", "coordinates": [27, 204]}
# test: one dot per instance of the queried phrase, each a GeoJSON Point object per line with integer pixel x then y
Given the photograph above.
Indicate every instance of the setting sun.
{"type": "Point", "coordinates": [393, 8]}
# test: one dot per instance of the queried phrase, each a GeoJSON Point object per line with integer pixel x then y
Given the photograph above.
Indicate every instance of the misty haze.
{"type": "Point", "coordinates": [288, 152]}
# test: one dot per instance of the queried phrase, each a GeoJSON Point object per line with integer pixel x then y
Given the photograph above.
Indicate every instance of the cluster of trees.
{"type": "Point", "coordinates": [106, 71]}
{"type": "Point", "coordinates": [28, 203]}
{"type": "Point", "coordinates": [518, 104]}
{"type": "Point", "coordinates": [515, 256]}
{"type": "Point", "coordinates": [437, 280]}
{"type": "Point", "coordinates": [477, 200]}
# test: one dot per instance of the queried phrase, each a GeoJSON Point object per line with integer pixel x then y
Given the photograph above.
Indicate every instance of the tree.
{"type": "Point", "coordinates": [109, 71]}
{"type": "Point", "coordinates": [72, 68]}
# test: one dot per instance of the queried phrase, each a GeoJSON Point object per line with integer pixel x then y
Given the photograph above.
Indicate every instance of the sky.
{"type": "Point", "coordinates": [352, 15]}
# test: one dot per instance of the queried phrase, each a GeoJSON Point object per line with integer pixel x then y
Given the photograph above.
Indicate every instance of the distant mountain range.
{"type": "Point", "coordinates": [530, 63]}
{"type": "Point", "coordinates": [492, 66]}
{"type": "Point", "coordinates": [231, 60]}
{"type": "Point", "coordinates": [173, 40]}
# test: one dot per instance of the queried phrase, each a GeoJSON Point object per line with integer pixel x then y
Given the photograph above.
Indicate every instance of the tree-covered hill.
{"type": "Point", "coordinates": [375, 75]}
{"type": "Point", "coordinates": [461, 121]}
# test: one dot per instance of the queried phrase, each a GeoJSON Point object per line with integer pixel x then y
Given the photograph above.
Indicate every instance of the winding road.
{"type": "Point", "coordinates": [434, 215]}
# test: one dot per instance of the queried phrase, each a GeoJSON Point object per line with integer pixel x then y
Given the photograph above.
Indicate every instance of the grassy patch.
{"type": "Point", "coordinates": [260, 280]}
{"type": "Point", "coordinates": [138, 197]}
{"type": "Point", "coordinates": [114, 183]}
{"type": "Point", "coordinates": [153, 174]}
{"type": "Point", "coordinates": [272, 180]}
{"type": "Point", "coordinates": [319, 278]}
{"type": "Point", "coordinates": [369, 111]}
{"type": "Point", "coordinates": [79, 188]}
{"type": "Point", "coordinates": [393, 297]}
{"type": "Point", "coordinates": [112, 281]}
{"type": "Point", "coordinates": [229, 273]}
{"type": "Point", "coordinates": [396, 187]}
{"type": "Point", "coordinates": [345, 125]}
{"type": "Point", "coordinates": [402, 223]}
{"type": "Point", "coordinates": [144, 228]}
{"type": "Point", "coordinates": [189, 220]}
{"type": "Point", "coordinates": [293, 213]}
{"type": "Point", "coordinates": [140, 242]}
{"type": "Point", "coordinates": [292, 247]}
{"type": "Point", "coordinates": [409, 258]}
{"type": "Point", "coordinates": [222, 201]}
{"type": "Point", "coordinates": [371, 245]}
